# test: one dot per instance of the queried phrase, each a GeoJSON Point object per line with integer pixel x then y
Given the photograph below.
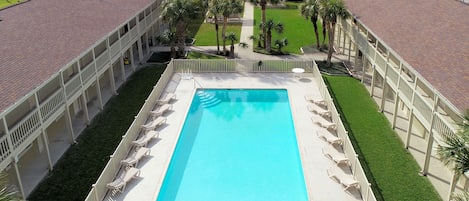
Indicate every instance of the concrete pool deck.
{"type": "Point", "coordinates": [319, 185]}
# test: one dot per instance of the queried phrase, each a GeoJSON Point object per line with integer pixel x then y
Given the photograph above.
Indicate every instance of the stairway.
{"type": "Point", "coordinates": [207, 100]}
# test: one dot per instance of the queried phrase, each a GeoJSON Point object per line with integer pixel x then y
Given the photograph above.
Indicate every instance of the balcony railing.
{"type": "Point", "coordinates": [25, 128]}
{"type": "Point", "coordinates": [52, 104]}
{"type": "Point", "coordinates": [423, 108]}
{"type": "Point", "coordinates": [72, 86]}
{"type": "Point", "coordinates": [4, 148]}
{"type": "Point", "coordinates": [88, 73]}
{"type": "Point", "coordinates": [102, 60]}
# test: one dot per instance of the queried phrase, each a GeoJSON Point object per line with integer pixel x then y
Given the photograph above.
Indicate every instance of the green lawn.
{"type": "Point", "coordinates": [82, 164]}
{"type": "Point", "coordinates": [297, 29]}
{"type": "Point", "coordinates": [204, 33]}
{"type": "Point", "coordinates": [5, 3]}
{"type": "Point", "coordinates": [392, 167]}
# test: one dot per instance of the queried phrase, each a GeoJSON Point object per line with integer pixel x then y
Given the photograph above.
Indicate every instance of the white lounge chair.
{"type": "Point", "coordinates": [318, 101]}
{"type": "Point", "coordinates": [331, 139]}
{"type": "Point", "coordinates": [345, 179]}
{"type": "Point", "coordinates": [168, 97]}
{"type": "Point", "coordinates": [145, 138]}
{"type": "Point", "coordinates": [161, 110]}
{"type": "Point", "coordinates": [336, 156]}
{"type": "Point", "coordinates": [153, 124]}
{"type": "Point", "coordinates": [324, 123]}
{"type": "Point", "coordinates": [133, 159]}
{"type": "Point", "coordinates": [118, 185]}
{"type": "Point", "coordinates": [319, 111]}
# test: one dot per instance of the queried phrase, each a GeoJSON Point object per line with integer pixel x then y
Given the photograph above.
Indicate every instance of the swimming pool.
{"type": "Point", "coordinates": [236, 145]}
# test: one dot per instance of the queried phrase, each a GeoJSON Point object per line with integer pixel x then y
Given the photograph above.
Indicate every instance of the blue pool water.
{"type": "Point", "coordinates": [236, 145]}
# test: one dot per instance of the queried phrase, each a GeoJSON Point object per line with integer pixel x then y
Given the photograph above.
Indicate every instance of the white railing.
{"type": "Point", "coordinates": [204, 65]}
{"type": "Point", "coordinates": [133, 33]}
{"type": "Point", "coordinates": [406, 90]}
{"type": "Point", "coordinates": [441, 125]}
{"type": "Point", "coordinates": [99, 190]}
{"type": "Point", "coordinates": [51, 104]}
{"type": "Point", "coordinates": [422, 108]}
{"type": "Point", "coordinates": [115, 49]}
{"type": "Point", "coordinates": [280, 66]}
{"type": "Point", "coordinates": [380, 62]}
{"type": "Point", "coordinates": [72, 86]}
{"type": "Point", "coordinates": [125, 39]}
{"type": "Point", "coordinates": [22, 130]}
{"type": "Point", "coordinates": [148, 20]}
{"type": "Point", "coordinates": [88, 73]}
{"type": "Point", "coordinates": [392, 75]}
{"type": "Point", "coordinates": [4, 148]}
{"type": "Point", "coordinates": [102, 60]}
{"type": "Point", "coordinates": [142, 26]}
{"type": "Point", "coordinates": [357, 170]}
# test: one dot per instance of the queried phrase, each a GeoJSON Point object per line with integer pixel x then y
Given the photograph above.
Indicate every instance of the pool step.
{"type": "Point", "coordinates": [208, 100]}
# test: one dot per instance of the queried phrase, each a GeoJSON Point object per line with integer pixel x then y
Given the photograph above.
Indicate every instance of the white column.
{"type": "Point", "coordinates": [112, 81]}
{"type": "Point", "coordinates": [147, 42]}
{"type": "Point", "coordinates": [132, 60]}
{"type": "Point", "coordinates": [46, 144]}
{"type": "Point", "coordinates": [428, 153]}
{"type": "Point", "coordinates": [100, 96]}
{"type": "Point", "coordinates": [85, 107]}
{"type": "Point", "coordinates": [18, 176]}
{"type": "Point", "coordinates": [121, 62]}
{"type": "Point", "coordinates": [43, 131]}
{"type": "Point", "coordinates": [68, 118]}
{"type": "Point", "coordinates": [373, 75]}
{"type": "Point", "coordinates": [409, 128]}
{"type": "Point", "coordinates": [140, 49]}
{"type": "Point", "coordinates": [396, 106]}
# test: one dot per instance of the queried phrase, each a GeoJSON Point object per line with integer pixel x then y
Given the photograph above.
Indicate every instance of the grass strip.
{"type": "Point", "coordinates": [390, 168]}
{"type": "Point", "coordinates": [82, 164]}
{"type": "Point", "coordinates": [204, 33]}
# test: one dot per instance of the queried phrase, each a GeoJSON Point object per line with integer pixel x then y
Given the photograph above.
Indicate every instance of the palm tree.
{"type": "Point", "coordinates": [268, 26]}
{"type": "Point", "coordinates": [263, 4]}
{"type": "Point", "coordinates": [169, 37]}
{"type": "Point", "coordinates": [228, 8]}
{"type": "Point", "coordinates": [331, 10]}
{"type": "Point", "coordinates": [178, 13]}
{"type": "Point", "coordinates": [310, 9]}
{"type": "Point", "coordinates": [455, 152]}
{"type": "Point", "coordinates": [215, 10]}
{"type": "Point", "coordinates": [232, 37]}
{"type": "Point", "coordinates": [281, 43]}
{"type": "Point", "coordinates": [7, 192]}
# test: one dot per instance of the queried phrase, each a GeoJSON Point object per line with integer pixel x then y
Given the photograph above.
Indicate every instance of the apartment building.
{"type": "Point", "coordinates": [60, 62]}
{"type": "Point", "coordinates": [413, 57]}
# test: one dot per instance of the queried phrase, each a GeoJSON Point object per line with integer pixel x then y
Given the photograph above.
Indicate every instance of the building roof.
{"type": "Point", "coordinates": [39, 37]}
{"type": "Point", "coordinates": [430, 35]}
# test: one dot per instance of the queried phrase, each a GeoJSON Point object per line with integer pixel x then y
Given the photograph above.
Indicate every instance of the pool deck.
{"type": "Point", "coordinates": [319, 185]}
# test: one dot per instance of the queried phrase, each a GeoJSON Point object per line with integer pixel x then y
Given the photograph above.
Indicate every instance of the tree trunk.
{"type": "Point", "coordinates": [263, 18]}
{"type": "Point", "coordinates": [223, 34]}
{"type": "Point", "coordinates": [216, 31]}
{"type": "Point", "coordinates": [268, 41]}
{"type": "Point", "coordinates": [232, 50]}
{"type": "Point", "coordinates": [324, 27]}
{"type": "Point", "coordinates": [181, 37]}
{"type": "Point", "coordinates": [330, 49]}
{"type": "Point", "coordinates": [173, 50]}
{"type": "Point", "coordinates": [314, 20]}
